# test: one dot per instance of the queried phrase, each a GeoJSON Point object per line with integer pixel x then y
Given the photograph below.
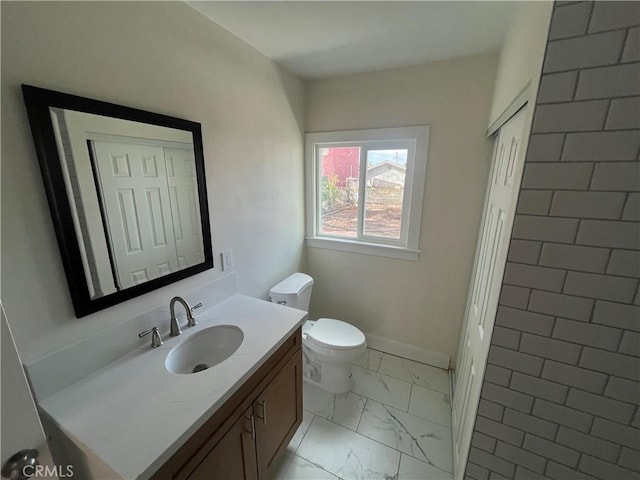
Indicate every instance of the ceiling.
{"type": "Point", "coordinates": [316, 39]}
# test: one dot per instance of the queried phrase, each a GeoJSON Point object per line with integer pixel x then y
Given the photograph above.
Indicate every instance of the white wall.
{"type": "Point", "coordinates": [167, 58]}
{"type": "Point", "coordinates": [415, 303]}
{"type": "Point", "coordinates": [521, 55]}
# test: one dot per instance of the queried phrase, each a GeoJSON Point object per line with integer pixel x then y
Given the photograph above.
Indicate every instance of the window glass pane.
{"type": "Point", "coordinates": [339, 176]}
{"type": "Point", "coordinates": [384, 191]}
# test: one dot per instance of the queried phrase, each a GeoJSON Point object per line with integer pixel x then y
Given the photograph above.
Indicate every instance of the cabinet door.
{"type": "Point", "coordinates": [234, 456]}
{"type": "Point", "coordinates": [278, 412]}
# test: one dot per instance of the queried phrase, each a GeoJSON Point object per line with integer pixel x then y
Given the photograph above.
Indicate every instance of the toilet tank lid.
{"type": "Point", "coordinates": [293, 284]}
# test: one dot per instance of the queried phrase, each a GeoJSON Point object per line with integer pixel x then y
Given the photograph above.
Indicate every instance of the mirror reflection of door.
{"type": "Point", "coordinates": [134, 198]}
{"type": "Point", "coordinates": [148, 196]}
{"type": "Point", "coordinates": [183, 194]}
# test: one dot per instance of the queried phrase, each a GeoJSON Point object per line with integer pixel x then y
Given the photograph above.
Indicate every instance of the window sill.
{"type": "Point", "coordinates": [364, 248]}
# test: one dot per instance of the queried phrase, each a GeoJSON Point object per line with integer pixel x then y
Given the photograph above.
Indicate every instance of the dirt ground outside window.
{"type": "Point", "coordinates": [380, 221]}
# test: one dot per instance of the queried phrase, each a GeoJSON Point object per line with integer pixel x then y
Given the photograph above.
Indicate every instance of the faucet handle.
{"type": "Point", "coordinates": [156, 338]}
{"type": "Point", "coordinates": [191, 319]}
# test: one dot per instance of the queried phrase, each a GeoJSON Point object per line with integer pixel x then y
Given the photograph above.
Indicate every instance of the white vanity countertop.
{"type": "Point", "coordinates": [133, 414]}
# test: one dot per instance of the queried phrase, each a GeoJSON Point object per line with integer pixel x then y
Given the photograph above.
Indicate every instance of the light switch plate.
{"type": "Point", "coordinates": [227, 260]}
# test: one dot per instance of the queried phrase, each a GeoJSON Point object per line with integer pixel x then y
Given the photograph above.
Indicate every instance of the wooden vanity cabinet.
{"type": "Point", "coordinates": [278, 414]}
{"type": "Point", "coordinates": [244, 438]}
{"type": "Point", "coordinates": [234, 456]}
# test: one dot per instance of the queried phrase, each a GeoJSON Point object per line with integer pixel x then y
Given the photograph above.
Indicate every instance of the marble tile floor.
{"type": "Point", "coordinates": [395, 424]}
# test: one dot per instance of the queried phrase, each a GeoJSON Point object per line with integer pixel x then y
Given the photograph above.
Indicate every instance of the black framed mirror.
{"type": "Point", "coordinates": [127, 194]}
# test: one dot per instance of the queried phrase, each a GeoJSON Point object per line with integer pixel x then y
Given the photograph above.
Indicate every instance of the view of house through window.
{"type": "Point", "coordinates": [342, 187]}
{"type": "Point", "coordinates": [386, 171]}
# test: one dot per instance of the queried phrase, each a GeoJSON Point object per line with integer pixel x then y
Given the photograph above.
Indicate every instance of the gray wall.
{"type": "Point", "coordinates": [561, 391]}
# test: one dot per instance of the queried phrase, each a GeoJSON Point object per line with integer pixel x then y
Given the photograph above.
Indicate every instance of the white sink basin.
{"type": "Point", "coordinates": [204, 349]}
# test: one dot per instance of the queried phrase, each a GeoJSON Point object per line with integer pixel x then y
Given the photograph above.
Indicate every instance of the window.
{"type": "Point", "coordinates": [365, 190]}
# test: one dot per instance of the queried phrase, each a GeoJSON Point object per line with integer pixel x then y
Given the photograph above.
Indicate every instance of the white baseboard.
{"type": "Point", "coordinates": [422, 355]}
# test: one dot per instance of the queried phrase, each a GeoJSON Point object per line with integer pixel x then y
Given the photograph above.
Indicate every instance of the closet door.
{"type": "Point", "coordinates": [482, 299]}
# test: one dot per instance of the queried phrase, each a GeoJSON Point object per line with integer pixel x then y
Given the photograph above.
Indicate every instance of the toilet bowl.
{"type": "Point", "coordinates": [328, 345]}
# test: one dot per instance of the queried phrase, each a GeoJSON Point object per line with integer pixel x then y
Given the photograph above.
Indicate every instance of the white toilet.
{"type": "Point", "coordinates": [328, 346]}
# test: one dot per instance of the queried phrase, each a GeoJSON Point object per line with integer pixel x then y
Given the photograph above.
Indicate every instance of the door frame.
{"type": "Point", "coordinates": [21, 427]}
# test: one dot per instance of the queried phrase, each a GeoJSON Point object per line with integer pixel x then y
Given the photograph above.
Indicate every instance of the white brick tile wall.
{"type": "Point", "coordinates": [524, 321]}
{"type": "Point", "coordinates": [562, 415]}
{"type": "Point", "coordinates": [618, 315]}
{"type": "Point", "coordinates": [528, 227]}
{"type": "Point", "coordinates": [476, 472]}
{"type": "Point", "coordinates": [552, 349]}
{"type": "Point", "coordinates": [557, 176]}
{"type": "Point", "coordinates": [534, 277]}
{"type": "Point", "coordinates": [533, 385]}
{"type": "Point", "coordinates": [601, 146]}
{"type": "Point", "coordinates": [604, 233]}
{"type": "Point", "coordinates": [545, 147]}
{"type": "Point", "coordinates": [570, 116]}
{"type": "Point", "coordinates": [610, 15]}
{"type": "Point", "coordinates": [630, 459]}
{"type": "Point", "coordinates": [583, 52]}
{"type": "Point", "coordinates": [600, 406]}
{"type": "Point", "coordinates": [557, 87]}
{"type": "Point", "coordinates": [524, 251]}
{"type": "Point", "coordinates": [624, 113]}
{"type": "Point", "coordinates": [512, 296]}
{"type": "Point", "coordinates": [624, 390]}
{"type": "Point", "coordinates": [605, 287]}
{"type": "Point", "coordinates": [570, 20]}
{"type": "Point", "coordinates": [560, 472]}
{"type": "Point", "coordinates": [534, 202]}
{"type": "Point", "coordinates": [574, 376]}
{"type": "Point", "coordinates": [617, 176]}
{"type": "Point", "coordinates": [625, 263]}
{"type": "Point", "coordinates": [631, 210]}
{"type": "Point", "coordinates": [530, 424]}
{"type": "Point", "coordinates": [560, 305]}
{"type": "Point", "coordinates": [632, 47]}
{"type": "Point", "coordinates": [589, 444]}
{"type": "Point", "coordinates": [561, 395]}
{"type": "Point", "coordinates": [574, 257]}
{"type": "Point", "coordinates": [587, 334]}
{"type": "Point", "coordinates": [588, 204]}
{"type": "Point", "coordinates": [608, 82]}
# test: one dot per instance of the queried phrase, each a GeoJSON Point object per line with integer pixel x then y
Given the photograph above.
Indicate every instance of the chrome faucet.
{"type": "Point", "coordinates": [191, 321]}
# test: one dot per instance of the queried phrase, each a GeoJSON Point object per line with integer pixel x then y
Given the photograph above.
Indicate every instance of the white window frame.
{"type": "Point", "coordinates": [415, 140]}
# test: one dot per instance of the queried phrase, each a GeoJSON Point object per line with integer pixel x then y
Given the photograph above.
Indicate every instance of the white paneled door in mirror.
{"type": "Point", "coordinates": [127, 194]}
{"type": "Point", "coordinates": [133, 210]}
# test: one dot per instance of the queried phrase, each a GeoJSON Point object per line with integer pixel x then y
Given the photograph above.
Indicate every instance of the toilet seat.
{"type": "Point", "coordinates": [335, 334]}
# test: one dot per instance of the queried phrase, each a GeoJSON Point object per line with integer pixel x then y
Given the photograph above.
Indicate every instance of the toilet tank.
{"type": "Point", "coordinates": [294, 291]}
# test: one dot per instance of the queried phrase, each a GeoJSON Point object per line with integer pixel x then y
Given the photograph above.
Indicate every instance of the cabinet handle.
{"type": "Point", "coordinates": [263, 405]}
{"type": "Point", "coordinates": [252, 428]}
